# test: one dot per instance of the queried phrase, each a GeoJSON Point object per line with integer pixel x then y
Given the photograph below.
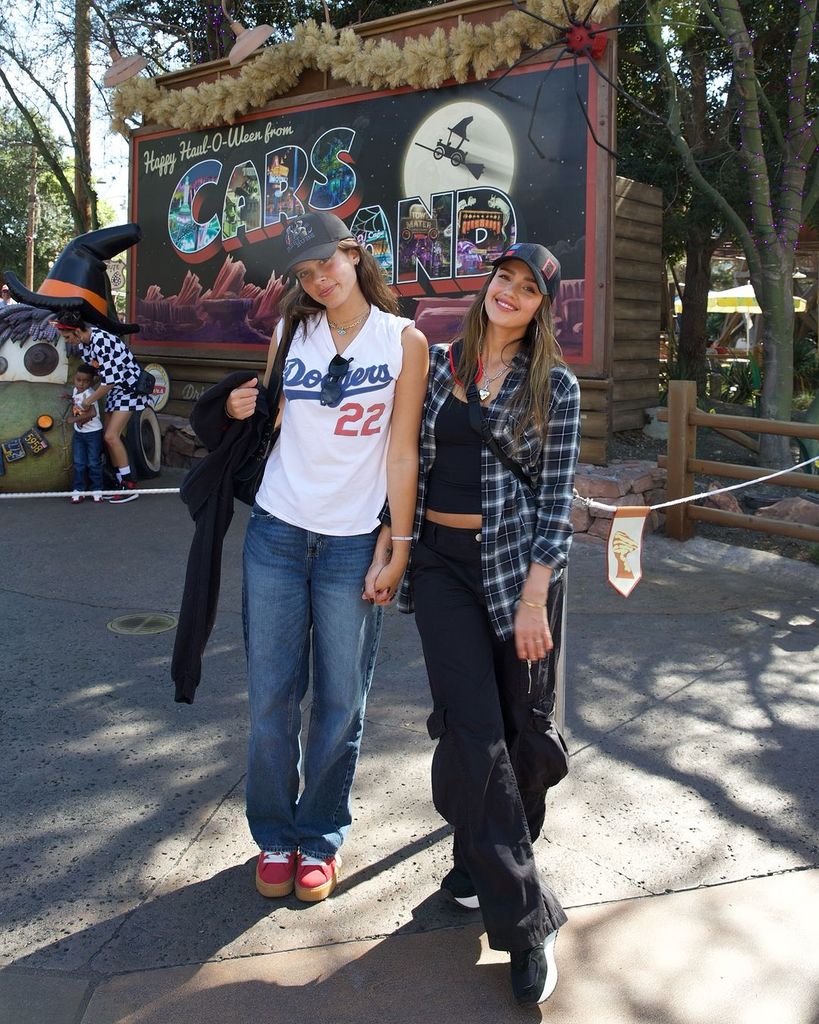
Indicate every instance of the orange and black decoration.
{"type": "Point", "coordinates": [79, 278]}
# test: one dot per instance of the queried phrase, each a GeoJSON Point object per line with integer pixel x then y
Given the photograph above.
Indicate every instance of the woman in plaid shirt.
{"type": "Point", "coordinates": [492, 535]}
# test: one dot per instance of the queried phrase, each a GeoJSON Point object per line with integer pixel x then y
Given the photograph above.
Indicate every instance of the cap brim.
{"type": "Point", "coordinates": [314, 252]}
{"type": "Point", "coordinates": [540, 281]}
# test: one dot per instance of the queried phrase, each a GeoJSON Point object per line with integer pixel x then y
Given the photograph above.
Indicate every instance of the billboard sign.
{"type": "Point", "coordinates": [435, 183]}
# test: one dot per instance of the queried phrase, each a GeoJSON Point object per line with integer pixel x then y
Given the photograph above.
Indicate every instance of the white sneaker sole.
{"type": "Point", "coordinates": [468, 902]}
{"type": "Point", "coordinates": [551, 967]}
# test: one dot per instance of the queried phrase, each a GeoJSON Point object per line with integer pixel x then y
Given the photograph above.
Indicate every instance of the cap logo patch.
{"type": "Point", "coordinates": [549, 268]}
{"type": "Point", "coordinates": [297, 235]}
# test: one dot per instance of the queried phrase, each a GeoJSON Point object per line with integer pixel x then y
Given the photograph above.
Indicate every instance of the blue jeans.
{"type": "Point", "coordinates": [86, 452]}
{"type": "Point", "coordinates": [301, 586]}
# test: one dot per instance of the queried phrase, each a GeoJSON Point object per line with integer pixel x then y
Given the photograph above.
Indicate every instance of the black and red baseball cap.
{"type": "Point", "coordinates": [544, 265]}
{"type": "Point", "coordinates": [313, 236]}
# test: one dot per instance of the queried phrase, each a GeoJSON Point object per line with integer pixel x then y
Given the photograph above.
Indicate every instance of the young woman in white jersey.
{"type": "Point", "coordinates": [317, 562]}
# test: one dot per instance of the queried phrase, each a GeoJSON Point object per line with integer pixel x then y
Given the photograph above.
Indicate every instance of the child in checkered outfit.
{"type": "Point", "coordinates": [118, 372]}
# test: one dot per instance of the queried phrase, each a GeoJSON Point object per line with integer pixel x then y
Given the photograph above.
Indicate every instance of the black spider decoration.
{"type": "Point", "coordinates": [580, 38]}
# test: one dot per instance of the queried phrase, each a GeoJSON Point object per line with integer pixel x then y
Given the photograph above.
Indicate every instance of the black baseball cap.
{"type": "Point", "coordinates": [540, 261]}
{"type": "Point", "coordinates": [313, 236]}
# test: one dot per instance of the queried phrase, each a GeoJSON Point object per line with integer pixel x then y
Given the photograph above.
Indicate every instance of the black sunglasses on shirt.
{"type": "Point", "coordinates": [332, 390]}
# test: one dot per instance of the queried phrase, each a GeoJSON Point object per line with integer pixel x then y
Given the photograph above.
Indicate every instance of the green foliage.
{"type": "Point", "coordinates": [645, 148]}
{"type": "Point", "coordinates": [53, 221]}
{"type": "Point", "coordinates": [203, 32]}
{"type": "Point", "coordinates": [742, 382]}
{"type": "Point", "coordinates": [805, 366]}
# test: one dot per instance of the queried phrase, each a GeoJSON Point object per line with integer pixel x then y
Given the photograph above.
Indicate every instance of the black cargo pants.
{"type": "Point", "coordinates": [498, 748]}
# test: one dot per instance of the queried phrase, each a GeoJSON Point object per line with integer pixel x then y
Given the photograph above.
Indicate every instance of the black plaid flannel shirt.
{"type": "Point", "coordinates": [519, 526]}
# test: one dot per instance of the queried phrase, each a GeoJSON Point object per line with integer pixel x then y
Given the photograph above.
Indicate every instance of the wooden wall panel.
{"type": "Point", "coordinates": [638, 276]}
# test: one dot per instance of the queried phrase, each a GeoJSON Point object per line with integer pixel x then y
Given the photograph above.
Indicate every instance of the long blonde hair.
{"type": "Point", "coordinates": [530, 402]}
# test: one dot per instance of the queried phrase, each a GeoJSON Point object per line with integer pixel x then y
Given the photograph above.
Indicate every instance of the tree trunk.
{"type": "Point", "coordinates": [693, 341]}
{"type": "Point", "coordinates": [777, 372]}
{"type": "Point", "coordinates": [85, 220]}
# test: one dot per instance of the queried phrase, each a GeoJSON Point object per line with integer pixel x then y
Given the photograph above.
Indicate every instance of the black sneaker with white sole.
{"type": "Point", "coordinates": [458, 885]}
{"type": "Point", "coordinates": [534, 972]}
{"type": "Point", "coordinates": [127, 492]}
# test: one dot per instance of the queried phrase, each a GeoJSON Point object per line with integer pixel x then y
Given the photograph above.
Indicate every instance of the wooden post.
{"type": "Point", "coordinates": [682, 446]}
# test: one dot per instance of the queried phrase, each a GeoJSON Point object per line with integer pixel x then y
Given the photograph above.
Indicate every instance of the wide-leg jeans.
{"type": "Point", "coordinates": [498, 749]}
{"type": "Point", "coordinates": [303, 589]}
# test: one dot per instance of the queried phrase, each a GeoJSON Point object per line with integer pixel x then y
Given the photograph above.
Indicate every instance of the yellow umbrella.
{"type": "Point", "coordinates": [738, 300]}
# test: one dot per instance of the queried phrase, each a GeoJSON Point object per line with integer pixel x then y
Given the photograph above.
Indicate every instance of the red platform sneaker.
{"type": "Point", "coordinates": [316, 879]}
{"type": "Point", "coordinates": [276, 873]}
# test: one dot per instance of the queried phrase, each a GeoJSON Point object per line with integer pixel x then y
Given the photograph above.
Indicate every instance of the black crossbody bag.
{"type": "Point", "coordinates": [478, 422]}
{"type": "Point", "coordinates": [144, 384]}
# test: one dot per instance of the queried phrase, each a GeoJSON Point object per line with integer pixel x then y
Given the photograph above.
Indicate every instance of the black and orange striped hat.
{"type": "Point", "coordinates": [78, 281]}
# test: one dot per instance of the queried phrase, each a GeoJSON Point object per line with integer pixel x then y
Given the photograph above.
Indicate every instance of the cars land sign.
{"type": "Point", "coordinates": [434, 183]}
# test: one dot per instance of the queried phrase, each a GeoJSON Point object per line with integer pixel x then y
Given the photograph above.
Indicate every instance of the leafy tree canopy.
{"type": "Point", "coordinates": [53, 224]}
{"type": "Point", "coordinates": [177, 34]}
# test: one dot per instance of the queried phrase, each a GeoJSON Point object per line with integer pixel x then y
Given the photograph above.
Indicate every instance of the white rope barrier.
{"type": "Point", "coordinates": [591, 503]}
{"type": "Point", "coordinates": [588, 502]}
{"type": "Point", "coordinates": [90, 494]}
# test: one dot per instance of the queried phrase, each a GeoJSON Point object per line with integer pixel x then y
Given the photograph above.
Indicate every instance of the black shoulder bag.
{"type": "Point", "coordinates": [247, 477]}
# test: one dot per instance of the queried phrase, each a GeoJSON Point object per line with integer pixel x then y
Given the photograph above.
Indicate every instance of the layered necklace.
{"type": "Point", "coordinates": [341, 329]}
{"type": "Point", "coordinates": [481, 375]}
{"type": "Point", "coordinates": [486, 380]}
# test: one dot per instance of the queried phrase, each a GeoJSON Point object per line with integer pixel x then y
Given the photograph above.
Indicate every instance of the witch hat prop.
{"type": "Point", "coordinates": [79, 279]}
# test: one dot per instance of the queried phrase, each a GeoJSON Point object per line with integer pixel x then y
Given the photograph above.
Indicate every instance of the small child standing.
{"type": "Point", "coordinates": [87, 444]}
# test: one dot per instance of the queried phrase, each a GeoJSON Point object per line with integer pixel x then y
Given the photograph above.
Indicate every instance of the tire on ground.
{"type": "Point", "coordinates": [144, 443]}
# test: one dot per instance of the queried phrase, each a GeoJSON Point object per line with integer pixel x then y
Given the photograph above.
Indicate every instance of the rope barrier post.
{"type": "Point", "coordinates": [682, 446]}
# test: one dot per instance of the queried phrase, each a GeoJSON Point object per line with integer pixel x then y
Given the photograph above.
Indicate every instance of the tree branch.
{"type": "Point", "coordinates": [44, 150]}
{"type": "Point", "coordinates": [811, 193]}
{"type": "Point", "coordinates": [713, 17]}
{"type": "Point", "coordinates": [776, 127]}
{"type": "Point", "coordinates": [681, 145]}
{"type": "Point", "coordinates": [44, 89]}
{"type": "Point", "coordinates": [752, 145]}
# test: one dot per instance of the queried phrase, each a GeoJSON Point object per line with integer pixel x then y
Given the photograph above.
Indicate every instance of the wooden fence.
{"type": "Point", "coordinates": [683, 418]}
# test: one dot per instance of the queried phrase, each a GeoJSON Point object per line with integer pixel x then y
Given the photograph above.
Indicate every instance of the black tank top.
{"type": "Point", "coordinates": [454, 483]}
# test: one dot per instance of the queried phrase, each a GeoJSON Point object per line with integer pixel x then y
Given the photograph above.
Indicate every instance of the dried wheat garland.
{"type": "Point", "coordinates": [423, 62]}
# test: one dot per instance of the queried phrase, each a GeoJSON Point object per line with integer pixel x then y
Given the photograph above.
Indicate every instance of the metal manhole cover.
{"type": "Point", "coordinates": [138, 623]}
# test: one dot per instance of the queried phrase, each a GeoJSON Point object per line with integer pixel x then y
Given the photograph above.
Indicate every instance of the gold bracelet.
{"type": "Point", "coordinates": [530, 604]}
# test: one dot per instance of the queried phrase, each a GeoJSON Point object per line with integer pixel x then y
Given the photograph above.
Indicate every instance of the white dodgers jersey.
{"type": "Point", "coordinates": [328, 471]}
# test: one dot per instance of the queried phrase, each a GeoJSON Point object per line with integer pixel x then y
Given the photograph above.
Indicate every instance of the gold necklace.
{"type": "Point", "coordinates": [341, 329]}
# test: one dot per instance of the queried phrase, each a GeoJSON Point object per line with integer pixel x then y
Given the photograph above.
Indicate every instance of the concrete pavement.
{"type": "Point", "coordinates": [684, 841]}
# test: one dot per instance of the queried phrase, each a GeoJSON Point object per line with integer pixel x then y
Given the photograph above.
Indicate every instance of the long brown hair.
{"type": "Point", "coordinates": [530, 401]}
{"type": "Point", "coordinates": [298, 308]}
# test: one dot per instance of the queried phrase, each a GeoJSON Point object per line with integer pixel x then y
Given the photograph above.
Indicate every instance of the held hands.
{"type": "Point", "coordinates": [386, 570]}
{"type": "Point", "coordinates": [241, 402]}
{"type": "Point", "coordinates": [386, 581]}
{"type": "Point", "coordinates": [533, 638]}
